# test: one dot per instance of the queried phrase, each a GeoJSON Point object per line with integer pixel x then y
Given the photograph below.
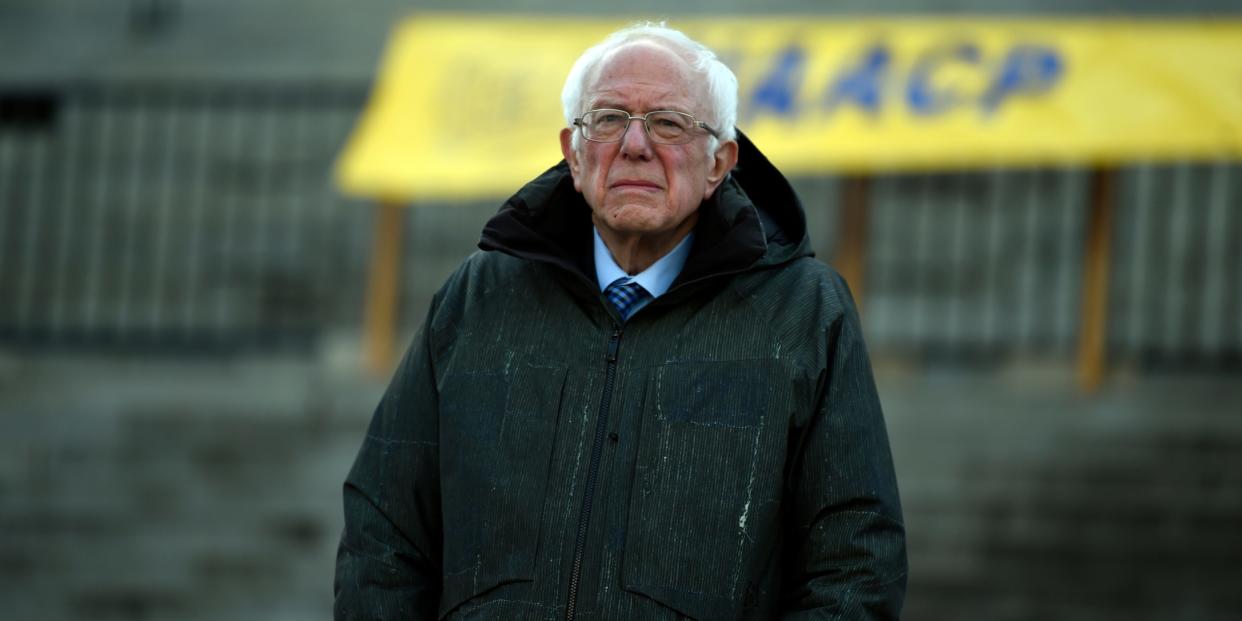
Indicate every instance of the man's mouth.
{"type": "Point", "coordinates": [625, 184]}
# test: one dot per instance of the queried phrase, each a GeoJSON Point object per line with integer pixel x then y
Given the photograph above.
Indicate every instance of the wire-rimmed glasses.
{"type": "Point", "coordinates": [663, 126]}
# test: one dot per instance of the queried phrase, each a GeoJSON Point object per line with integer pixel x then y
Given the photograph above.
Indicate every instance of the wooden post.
{"type": "Point", "coordinates": [380, 316]}
{"type": "Point", "coordinates": [1093, 327]}
{"type": "Point", "coordinates": [851, 252]}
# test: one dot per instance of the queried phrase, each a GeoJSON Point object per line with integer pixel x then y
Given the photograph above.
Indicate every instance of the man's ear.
{"type": "Point", "coordinates": [571, 155]}
{"type": "Point", "coordinates": [722, 162]}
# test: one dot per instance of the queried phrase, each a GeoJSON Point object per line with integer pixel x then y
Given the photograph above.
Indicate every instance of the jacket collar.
{"type": "Point", "coordinates": [753, 219]}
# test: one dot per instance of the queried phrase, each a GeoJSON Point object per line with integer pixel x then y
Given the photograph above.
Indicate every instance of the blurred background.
{"type": "Point", "coordinates": [182, 296]}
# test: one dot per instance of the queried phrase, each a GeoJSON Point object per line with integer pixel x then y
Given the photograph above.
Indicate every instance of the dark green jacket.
{"type": "Point", "coordinates": [721, 455]}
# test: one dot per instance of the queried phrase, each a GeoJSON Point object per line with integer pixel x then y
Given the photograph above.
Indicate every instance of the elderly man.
{"type": "Point", "coordinates": [643, 400]}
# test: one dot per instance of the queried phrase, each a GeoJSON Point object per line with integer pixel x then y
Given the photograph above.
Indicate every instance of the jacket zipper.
{"type": "Point", "coordinates": [601, 428]}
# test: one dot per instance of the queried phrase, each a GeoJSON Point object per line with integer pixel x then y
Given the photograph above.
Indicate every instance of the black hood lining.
{"type": "Point", "coordinates": [754, 215]}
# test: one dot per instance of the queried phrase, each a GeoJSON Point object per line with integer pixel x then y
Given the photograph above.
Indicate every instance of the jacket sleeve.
{"type": "Point", "coordinates": [388, 561]}
{"type": "Point", "coordinates": [846, 547]}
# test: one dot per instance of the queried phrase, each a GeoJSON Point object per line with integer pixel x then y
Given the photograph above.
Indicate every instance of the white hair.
{"type": "Point", "coordinates": [717, 77]}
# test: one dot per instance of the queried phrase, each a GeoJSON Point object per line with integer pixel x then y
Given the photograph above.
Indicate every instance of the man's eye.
{"type": "Point", "coordinates": [611, 117]}
{"type": "Point", "coordinates": [669, 123]}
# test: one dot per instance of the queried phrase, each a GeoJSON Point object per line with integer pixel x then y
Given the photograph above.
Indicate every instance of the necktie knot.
{"type": "Point", "coordinates": [626, 296]}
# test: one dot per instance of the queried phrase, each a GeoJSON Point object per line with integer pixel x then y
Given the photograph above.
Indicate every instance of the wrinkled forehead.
{"type": "Point", "coordinates": [659, 71]}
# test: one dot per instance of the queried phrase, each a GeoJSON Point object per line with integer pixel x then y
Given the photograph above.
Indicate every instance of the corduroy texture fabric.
{"type": "Point", "coordinates": [731, 435]}
{"type": "Point", "coordinates": [625, 296]}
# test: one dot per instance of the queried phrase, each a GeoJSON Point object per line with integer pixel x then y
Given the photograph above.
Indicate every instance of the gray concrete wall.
{"type": "Point", "coordinates": [137, 488]}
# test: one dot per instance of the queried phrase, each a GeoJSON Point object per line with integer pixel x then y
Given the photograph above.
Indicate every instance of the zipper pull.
{"type": "Point", "coordinates": [614, 344]}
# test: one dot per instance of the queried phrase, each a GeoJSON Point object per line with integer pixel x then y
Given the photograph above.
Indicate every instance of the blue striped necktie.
{"type": "Point", "coordinates": [625, 296]}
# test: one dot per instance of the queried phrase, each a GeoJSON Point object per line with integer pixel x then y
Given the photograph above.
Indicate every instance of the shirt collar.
{"type": "Point", "coordinates": [655, 279]}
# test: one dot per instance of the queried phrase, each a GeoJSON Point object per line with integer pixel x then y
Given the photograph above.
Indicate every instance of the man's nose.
{"type": "Point", "coordinates": [636, 142]}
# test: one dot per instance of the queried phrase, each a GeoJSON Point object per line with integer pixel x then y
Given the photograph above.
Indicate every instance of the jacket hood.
{"type": "Point", "coordinates": [753, 221]}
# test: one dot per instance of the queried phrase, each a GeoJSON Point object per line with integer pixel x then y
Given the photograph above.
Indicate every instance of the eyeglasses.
{"type": "Point", "coordinates": [663, 126]}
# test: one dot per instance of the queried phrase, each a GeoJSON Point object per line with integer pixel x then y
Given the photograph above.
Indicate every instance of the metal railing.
{"type": "Point", "coordinates": [986, 264]}
{"type": "Point", "coordinates": [167, 216]}
{"type": "Point", "coordinates": [203, 217]}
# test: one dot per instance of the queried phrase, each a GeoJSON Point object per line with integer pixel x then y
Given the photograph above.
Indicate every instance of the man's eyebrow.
{"type": "Point", "coordinates": [610, 104]}
{"type": "Point", "coordinates": [606, 103]}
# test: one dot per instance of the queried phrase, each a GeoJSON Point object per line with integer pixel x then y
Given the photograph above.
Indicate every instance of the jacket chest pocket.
{"type": "Point", "coordinates": [496, 436]}
{"type": "Point", "coordinates": [708, 476]}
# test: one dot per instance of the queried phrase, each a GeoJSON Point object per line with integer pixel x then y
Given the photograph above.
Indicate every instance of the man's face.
{"type": "Point", "coordinates": [637, 188]}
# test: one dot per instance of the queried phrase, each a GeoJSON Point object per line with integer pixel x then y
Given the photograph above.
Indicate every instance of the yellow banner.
{"type": "Point", "coordinates": [470, 106]}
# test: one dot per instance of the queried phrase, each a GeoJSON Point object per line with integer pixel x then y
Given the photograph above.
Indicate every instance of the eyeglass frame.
{"type": "Point", "coordinates": [630, 118]}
